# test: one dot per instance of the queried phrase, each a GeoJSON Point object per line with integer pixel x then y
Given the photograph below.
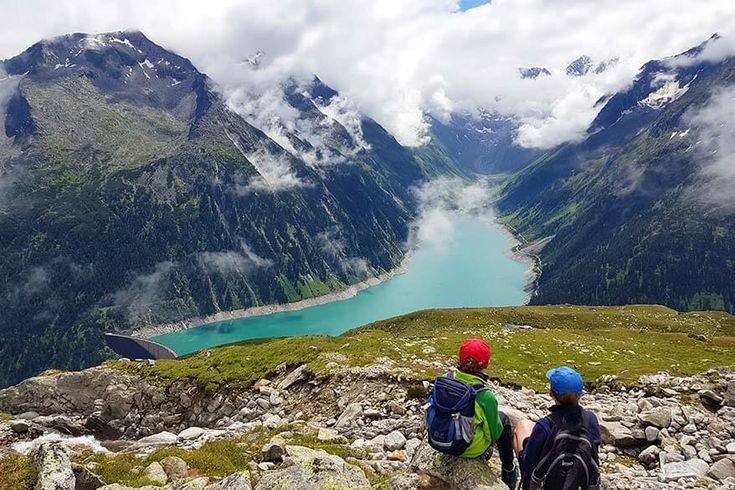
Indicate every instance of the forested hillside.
{"type": "Point", "coordinates": [640, 211]}
{"type": "Point", "coordinates": [132, 193]}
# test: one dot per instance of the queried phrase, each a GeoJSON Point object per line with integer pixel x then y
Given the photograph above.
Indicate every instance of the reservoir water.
{"type": "Point", "coordinates": [466, 265]}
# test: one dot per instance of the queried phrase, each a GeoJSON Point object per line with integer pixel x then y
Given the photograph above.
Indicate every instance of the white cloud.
{"type": "Point", "coordinates": [274, 171]}
{"type": "Point", "coordinates": [440, 201]}
{"type": "Point", "coordinates": [335, 248]}
{"type": "Point", "coordinates": [398, 59]}
{"type": "Point", "coordinates": [8, 175]}
{"type": "Point", "coordinates": [715, 124]}
{"type": "Point", "coordinates": [343, 110]}
{"type": "Point", "coordinates": [144, 291]}
{"type": "Point", "coordinates": [275, 174]}
{"type": "Point", "coordinates": [715, 50]}
{"type": "Point", "coordinates": [240, 262]}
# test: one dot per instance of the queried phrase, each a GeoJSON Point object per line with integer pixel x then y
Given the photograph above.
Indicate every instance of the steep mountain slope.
{"type": "Point", "coordinates": [635, 212]}
{"type": "Point", "coordinates": [130, 192]}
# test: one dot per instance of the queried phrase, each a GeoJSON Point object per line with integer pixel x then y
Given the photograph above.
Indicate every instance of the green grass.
{"type": "Point", "coordinates": [626, 341]}
{"type": "Point", "coordinates": [5, 416]}
{"type": "Point", "coordinates": [215, 458]}
{"type": "Point", "coordinates": [18, 472]}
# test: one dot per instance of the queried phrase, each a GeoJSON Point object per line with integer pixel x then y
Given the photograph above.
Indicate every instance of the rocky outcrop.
{"type": "Point", "coordinates": [314, 470]}
{"type": "Point", "coordinates": [435, 470]}
{"type": "Point", "coordinates": [663, 432]}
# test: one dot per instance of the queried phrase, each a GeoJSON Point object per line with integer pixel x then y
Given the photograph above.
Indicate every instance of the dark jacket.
{"type": "Point", "coordinates": [542, 438]}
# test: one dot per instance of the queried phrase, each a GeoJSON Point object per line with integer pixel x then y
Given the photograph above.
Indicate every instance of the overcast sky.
{"type": "Point", "coordinates": [398, 60]}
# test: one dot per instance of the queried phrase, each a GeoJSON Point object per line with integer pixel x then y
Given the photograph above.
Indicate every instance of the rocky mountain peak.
{"type": "Point", "coordinates": [126, 63]}
{"type": "Point", "coordinates": [579, 67]}
{"type": "Point", "coordinates": [658, 83]}
{"type": "Point", "coordinates": [534, 72]}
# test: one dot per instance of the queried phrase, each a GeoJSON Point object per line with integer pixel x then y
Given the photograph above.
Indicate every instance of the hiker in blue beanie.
{"type": "Point", "coordinates": [560, 451]}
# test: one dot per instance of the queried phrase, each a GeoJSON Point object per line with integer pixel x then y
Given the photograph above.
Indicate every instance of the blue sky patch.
{"type": "Point", "coordinates": [470, 4]}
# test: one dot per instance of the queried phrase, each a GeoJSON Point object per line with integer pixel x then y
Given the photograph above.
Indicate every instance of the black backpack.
{"type": "Point", "coordinates": [571, 462]}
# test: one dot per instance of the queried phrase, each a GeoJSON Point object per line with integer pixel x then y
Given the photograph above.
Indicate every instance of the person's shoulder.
{"type": "Point", "coordinates": [590, 417]}
{"type": "Point", "coordinates": [486, 393]}
{"type": "Point", "coordinates": [588, 413]}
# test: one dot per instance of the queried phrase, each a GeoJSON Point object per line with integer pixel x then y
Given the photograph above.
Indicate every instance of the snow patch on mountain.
{"type": "Point", "coordinates": [344, 111]}
{"type": "Point", "coordinates": [667, 93]}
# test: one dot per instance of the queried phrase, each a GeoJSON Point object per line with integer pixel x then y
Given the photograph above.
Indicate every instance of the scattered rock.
{"type": "Point", "coordinates": [28, 415]}
{"type": "Point", "coordinates": [377, 443]}
{"type": "Point", "coordinates": [658, 417]}
{"type": "Point", "coordinates": [648, 456]}
{"type": "Point", "coordinates": [175, 468]}
{"type": "Point", "coordinates": [397, 455]}
{"type": "Point", "coordinates": [514, 326]}
{"type": "Point", "coordinates": [651, 433]}
{"type": "Point", "coordinates": [395, 440]}
{"type": "Point", "coordinates": [729, 396]}
{"type": "Point", "coordinates": [396, 408]}
{"type": "Point", "coordinates": [709, 397]}
{"type": "Point", "coordinates": [330, 436]}
{"type": "Point", "coordinates": [616, 434]}
{"type": "Point", "coordinates": [454, 473]}
{"type": "Point", "coordinates": [191, 433]}
{"type": "Point", "coordinates": [372, 414]}
{"type": "Point", "coordinates": [312, 470]}
{"type": "Point", "coordinates": [352, 412]}
{"type": "Point", "coordinates": [19, 426]}
{"type": "Point", "coordinates": [160, 439]}
{"type": "Point", "coordinates": [722, 469]}
{"type": "Point", "coordinates": [684, 469]}
{"type": "Point", "coordinates": [298, 374]}
{"type": "Point", "coordinates": [237, 481]}
{"type": "Point", "coordinates": [195, 484]}
{"type": "Point", "coordinates": [155, 473]}
{"type": "Point", "coordinates": [273, 452]}
{"type": "Point", "coordinates": [85, 479]}
{"type": "Point", "coordinates": [403, 481]}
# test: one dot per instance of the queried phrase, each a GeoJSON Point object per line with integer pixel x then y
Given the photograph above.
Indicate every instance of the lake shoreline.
{"type": "Point", "coordinates": [519, 253]}
{"type": "Point", "coordinates": [515, 252]}
{"type": "Point", "coordinates": [149, 331]}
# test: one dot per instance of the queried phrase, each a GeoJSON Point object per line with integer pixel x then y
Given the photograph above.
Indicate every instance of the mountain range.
{"type": "Point", "coordinates": [639, 211]}
{"type": "Point", "coordinates": [132, 192]}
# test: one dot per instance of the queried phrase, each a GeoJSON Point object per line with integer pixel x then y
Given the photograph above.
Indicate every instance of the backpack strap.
{"type": "Point", "coordinates": [477, 387]}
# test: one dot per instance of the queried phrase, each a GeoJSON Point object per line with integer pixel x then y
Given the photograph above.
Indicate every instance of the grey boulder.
{"type": "Point", "coordinates": [453, 473]}
{"type": "Point", "coordinates": [54, 467]}
{"type": "Point", "coordinates": [314, 470]}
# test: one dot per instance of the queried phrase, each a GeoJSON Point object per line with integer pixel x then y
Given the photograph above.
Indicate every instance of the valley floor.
{"type": "Point", "coordinates": [516, 251]}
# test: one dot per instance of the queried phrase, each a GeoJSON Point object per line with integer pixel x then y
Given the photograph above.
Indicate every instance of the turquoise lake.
{"type": "Point", "coordinates": [467, 267]}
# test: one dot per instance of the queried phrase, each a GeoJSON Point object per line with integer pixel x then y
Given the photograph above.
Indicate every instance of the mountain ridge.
{"type": "Point", "coordinates": [622, 205]}
{"type": "Point", "coordinates": [137, 194]}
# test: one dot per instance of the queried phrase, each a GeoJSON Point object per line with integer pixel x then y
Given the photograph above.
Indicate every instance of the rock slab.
{"type": "Point", "coordinates": [54, 467]}
{"type": "Point", "coordinates": [314, 470]}
{"type": "Point", "coordinates": [453, 473]}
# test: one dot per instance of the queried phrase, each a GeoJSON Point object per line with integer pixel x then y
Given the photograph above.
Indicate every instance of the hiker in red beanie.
{"type": "Point", "coordinates": [463, 418]}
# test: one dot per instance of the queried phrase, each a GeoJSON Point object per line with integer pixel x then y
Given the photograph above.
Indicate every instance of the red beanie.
{"type": "Point", "coordinates": [476, 349]}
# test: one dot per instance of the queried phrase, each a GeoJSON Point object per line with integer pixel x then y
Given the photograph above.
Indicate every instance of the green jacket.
{"type": "Point", "coordinates": [488, 426]}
